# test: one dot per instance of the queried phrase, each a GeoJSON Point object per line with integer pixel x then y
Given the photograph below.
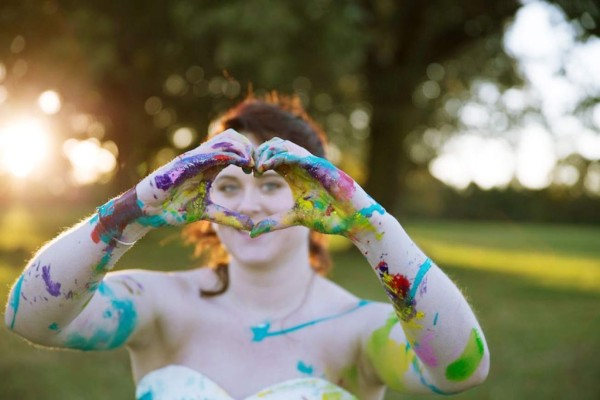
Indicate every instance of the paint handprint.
{"type": "Point", "coordinates": [178, 192]}
{"type": "Point", "coordinates": [326, 199]}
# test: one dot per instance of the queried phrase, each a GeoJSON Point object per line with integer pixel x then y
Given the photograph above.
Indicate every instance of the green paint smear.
{"type": "Point", "coordinates": [349, 379]}
{"type": "Point", "coordinates": [469, 360]}
{"type": "Point", "coordinates": [390, 358]}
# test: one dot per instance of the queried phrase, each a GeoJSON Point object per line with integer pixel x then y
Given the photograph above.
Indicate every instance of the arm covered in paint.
{"type": "Point", "coordinates": [63, 297]}
{"type": "Point", "coordinates": [442, 345]}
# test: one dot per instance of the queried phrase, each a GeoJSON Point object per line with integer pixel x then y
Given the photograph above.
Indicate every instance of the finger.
{"type": "Point", "coordinates": [232, 142]}
{"type": "Point", "coordinates": [277, 162]}
{"type": "Point", "coordinates": [198, 165]}
{"type": "Point", "coordinates": [221, 215]}
{"type": "Point", "coordinates": [274, 222]}
{"type": "Point", "coordinates": [267, 150]}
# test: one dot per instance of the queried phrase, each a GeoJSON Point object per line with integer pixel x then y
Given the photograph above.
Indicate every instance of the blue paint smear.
{"type": "Point", "coordinates": [146, 396]}
{"type": "Point", "coordinates": [14, 301]}
{"type": "Point", "coordinates": [109, 339]}
{"type": "Point", "coordinates": [154, 221]}
{"type": "Point", "coordinates": [305, 368]}
{"type": "Point", "coordinates": [420, 275]}
{"type": "Point", "coordinates": [424, 382]}
{"type": "Point", "coordinates": [435, 318]}
{"type": "Point", "coordinates": [368, 211]}
{"type": "Point", "coordinates": [261, 332]}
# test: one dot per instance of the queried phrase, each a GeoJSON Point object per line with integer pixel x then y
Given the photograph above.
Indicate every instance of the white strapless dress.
{"type": "Point", "coordinates": [177, 382]}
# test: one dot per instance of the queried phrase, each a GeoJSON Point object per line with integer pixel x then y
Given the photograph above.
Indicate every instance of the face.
{"type": "Point", "coordinates": [257, 197]}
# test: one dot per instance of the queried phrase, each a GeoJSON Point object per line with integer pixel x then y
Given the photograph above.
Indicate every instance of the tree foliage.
{"type": "Point", "coordinates": [143, 69]}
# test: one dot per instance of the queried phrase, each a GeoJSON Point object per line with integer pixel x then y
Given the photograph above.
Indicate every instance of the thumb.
{"type": "Point", "coordinates": [274, 222]}
{"type": "Point", "coordinates": [221, 215]}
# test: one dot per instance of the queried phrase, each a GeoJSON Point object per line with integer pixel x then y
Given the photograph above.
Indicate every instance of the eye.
{"type": "Point", "coordinates": [227, 187]}
{"type": "Point", "coordinates": [270, 186]}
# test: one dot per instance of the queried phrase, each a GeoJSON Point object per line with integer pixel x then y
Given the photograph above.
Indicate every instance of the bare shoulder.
{"type": "Point", "coordinates": [158, 298]}
{"type": "Point", "coordinates": [340, 299]}
{"type": "Point", "coordinates": [141, 283]}
{"type": "Point", "coordinates": [159, 292]}
{"type": "Point", "coordinates": [370, 315]}
{"type": "Point", "coordinates": [336, 296]}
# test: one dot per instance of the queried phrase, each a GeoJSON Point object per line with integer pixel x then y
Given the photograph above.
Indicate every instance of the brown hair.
{"type": "Point", "coordinates": [265, 118]}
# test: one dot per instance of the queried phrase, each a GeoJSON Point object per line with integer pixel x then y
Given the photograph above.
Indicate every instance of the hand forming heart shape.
{"type": "Point", "coordinates": [326, 199]}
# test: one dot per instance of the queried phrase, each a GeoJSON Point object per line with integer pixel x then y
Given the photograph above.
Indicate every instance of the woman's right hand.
{"type": "Point", "coordinates": [178, 192]}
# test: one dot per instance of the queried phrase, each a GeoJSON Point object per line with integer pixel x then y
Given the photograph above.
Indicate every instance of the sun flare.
{"type": "Point", "coordinates": [24, 146]}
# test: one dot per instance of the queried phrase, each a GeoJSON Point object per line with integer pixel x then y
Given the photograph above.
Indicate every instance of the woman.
{"type": "Point", "coordinates": [263, 323]}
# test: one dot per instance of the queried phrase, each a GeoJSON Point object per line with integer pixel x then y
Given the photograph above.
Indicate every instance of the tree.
{"type": "Point", "coordinates": [145, 69]}
{"type": "Point", "coordinates": [406, 39]}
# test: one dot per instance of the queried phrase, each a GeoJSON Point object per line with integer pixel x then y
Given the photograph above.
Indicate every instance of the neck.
{"type": "Point", "coordinates": [274, 290]}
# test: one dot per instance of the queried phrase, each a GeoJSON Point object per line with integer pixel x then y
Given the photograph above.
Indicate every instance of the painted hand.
{"type": "Point", "coordinates": [178, 192]}
{"type": "Point", "coordinates": [326, 199]}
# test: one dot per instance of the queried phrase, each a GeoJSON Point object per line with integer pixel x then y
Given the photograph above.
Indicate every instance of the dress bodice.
{"type": "Point", "coordinates": [177, 382]}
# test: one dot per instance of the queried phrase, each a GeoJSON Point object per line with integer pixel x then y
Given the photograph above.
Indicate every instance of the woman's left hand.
{"type": "Point", "coordinates": [326, 199]}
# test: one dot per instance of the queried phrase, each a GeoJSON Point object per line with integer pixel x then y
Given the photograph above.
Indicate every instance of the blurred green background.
{"type": "Point", "coordinates": [475, 122]}
{"type": "Point", "coordinates": [534, 287]}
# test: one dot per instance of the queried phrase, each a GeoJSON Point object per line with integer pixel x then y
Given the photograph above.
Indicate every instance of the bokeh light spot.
{"type": "Point", "coordinates": [183, 137]}
{"type": "Point", "coordinates": [23, 147]}
{"type": "Point", "coordinates": [89, 160]}
{"type": "Point", "coordinates": [153, 105]}
{"type": "Point", "coordinates": [49, 102]}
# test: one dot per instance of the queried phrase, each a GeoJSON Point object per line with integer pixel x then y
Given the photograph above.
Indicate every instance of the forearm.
{"type": "Point", "coordinates": [436, 318]}
{"type": "Point", "coordinates": [63, 276]}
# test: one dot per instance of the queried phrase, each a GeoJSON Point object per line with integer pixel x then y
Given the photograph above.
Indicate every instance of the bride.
{"type": "Point", "coordinates": [262, 321]}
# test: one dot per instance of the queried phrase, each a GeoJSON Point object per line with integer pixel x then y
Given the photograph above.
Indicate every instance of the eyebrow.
{"type": "Point", "coordinates": [267, 174]}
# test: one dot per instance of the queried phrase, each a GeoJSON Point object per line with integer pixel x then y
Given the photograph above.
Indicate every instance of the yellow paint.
{"type": "Point", "coordinates": [390, 358]}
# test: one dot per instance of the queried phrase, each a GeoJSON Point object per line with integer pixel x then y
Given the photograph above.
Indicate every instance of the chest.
{"type": "Point", "coordinates": [240, 353]}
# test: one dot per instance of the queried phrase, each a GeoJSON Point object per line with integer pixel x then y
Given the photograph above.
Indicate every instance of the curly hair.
{"type": "Point", "coordinates": [270, 116]}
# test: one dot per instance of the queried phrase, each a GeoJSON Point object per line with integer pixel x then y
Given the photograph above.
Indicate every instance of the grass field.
{"type": "Point", "coordinates": [535, 289]}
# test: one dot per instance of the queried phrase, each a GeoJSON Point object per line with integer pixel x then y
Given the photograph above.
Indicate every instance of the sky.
{"type": "Point", "coordinates": [558, 71]}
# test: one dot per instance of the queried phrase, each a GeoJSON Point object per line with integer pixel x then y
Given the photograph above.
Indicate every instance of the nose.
{"type": "Point", "coordinates": [250, 203]}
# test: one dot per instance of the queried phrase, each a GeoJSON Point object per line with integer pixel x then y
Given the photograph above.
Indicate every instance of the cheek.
{"type": "Point", "coordinates": [297, 234]}
{"type": "Point", "coordinates": [229, 200]}
{"type": "Point", "coordinates": [226, 235]}
{"type": "Point", "coordinates": [281, 201]}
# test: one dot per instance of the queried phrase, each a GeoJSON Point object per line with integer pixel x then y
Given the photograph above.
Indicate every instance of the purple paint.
{"type": "Point", "coordinates": [187, 168]}
{"type": "Point", "coordinates": [332, 179]}
{"type": "Point", "coordinates": [222, 145]}
{"type": "Point", "coordinates": [382, 267]}
{"type": "Point", "coordinates": [423, 287]}
{"type": "Point", "coordinates": [53, 288]}
{"type": "Point", "coordinates": [163, 182]}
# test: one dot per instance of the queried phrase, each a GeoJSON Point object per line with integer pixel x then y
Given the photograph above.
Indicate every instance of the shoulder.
{"type": "Point", "coordinates": [159, 281]}
{"type": "Point", "coordinates": [341, 297]}
{"type": "Point", "coordinates": [367, 313]}
{"type": "Point", "coordinates": [157, 298]}
{"type": "Point", "coordinates": [156, 294]}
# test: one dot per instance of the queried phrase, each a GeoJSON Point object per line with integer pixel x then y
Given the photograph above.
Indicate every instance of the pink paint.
{"type": "Point", "coordinates": [425, 350]}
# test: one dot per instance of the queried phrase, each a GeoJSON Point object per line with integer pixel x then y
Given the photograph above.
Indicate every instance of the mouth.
{"type": "Point", "coordinates": [245, 235]}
